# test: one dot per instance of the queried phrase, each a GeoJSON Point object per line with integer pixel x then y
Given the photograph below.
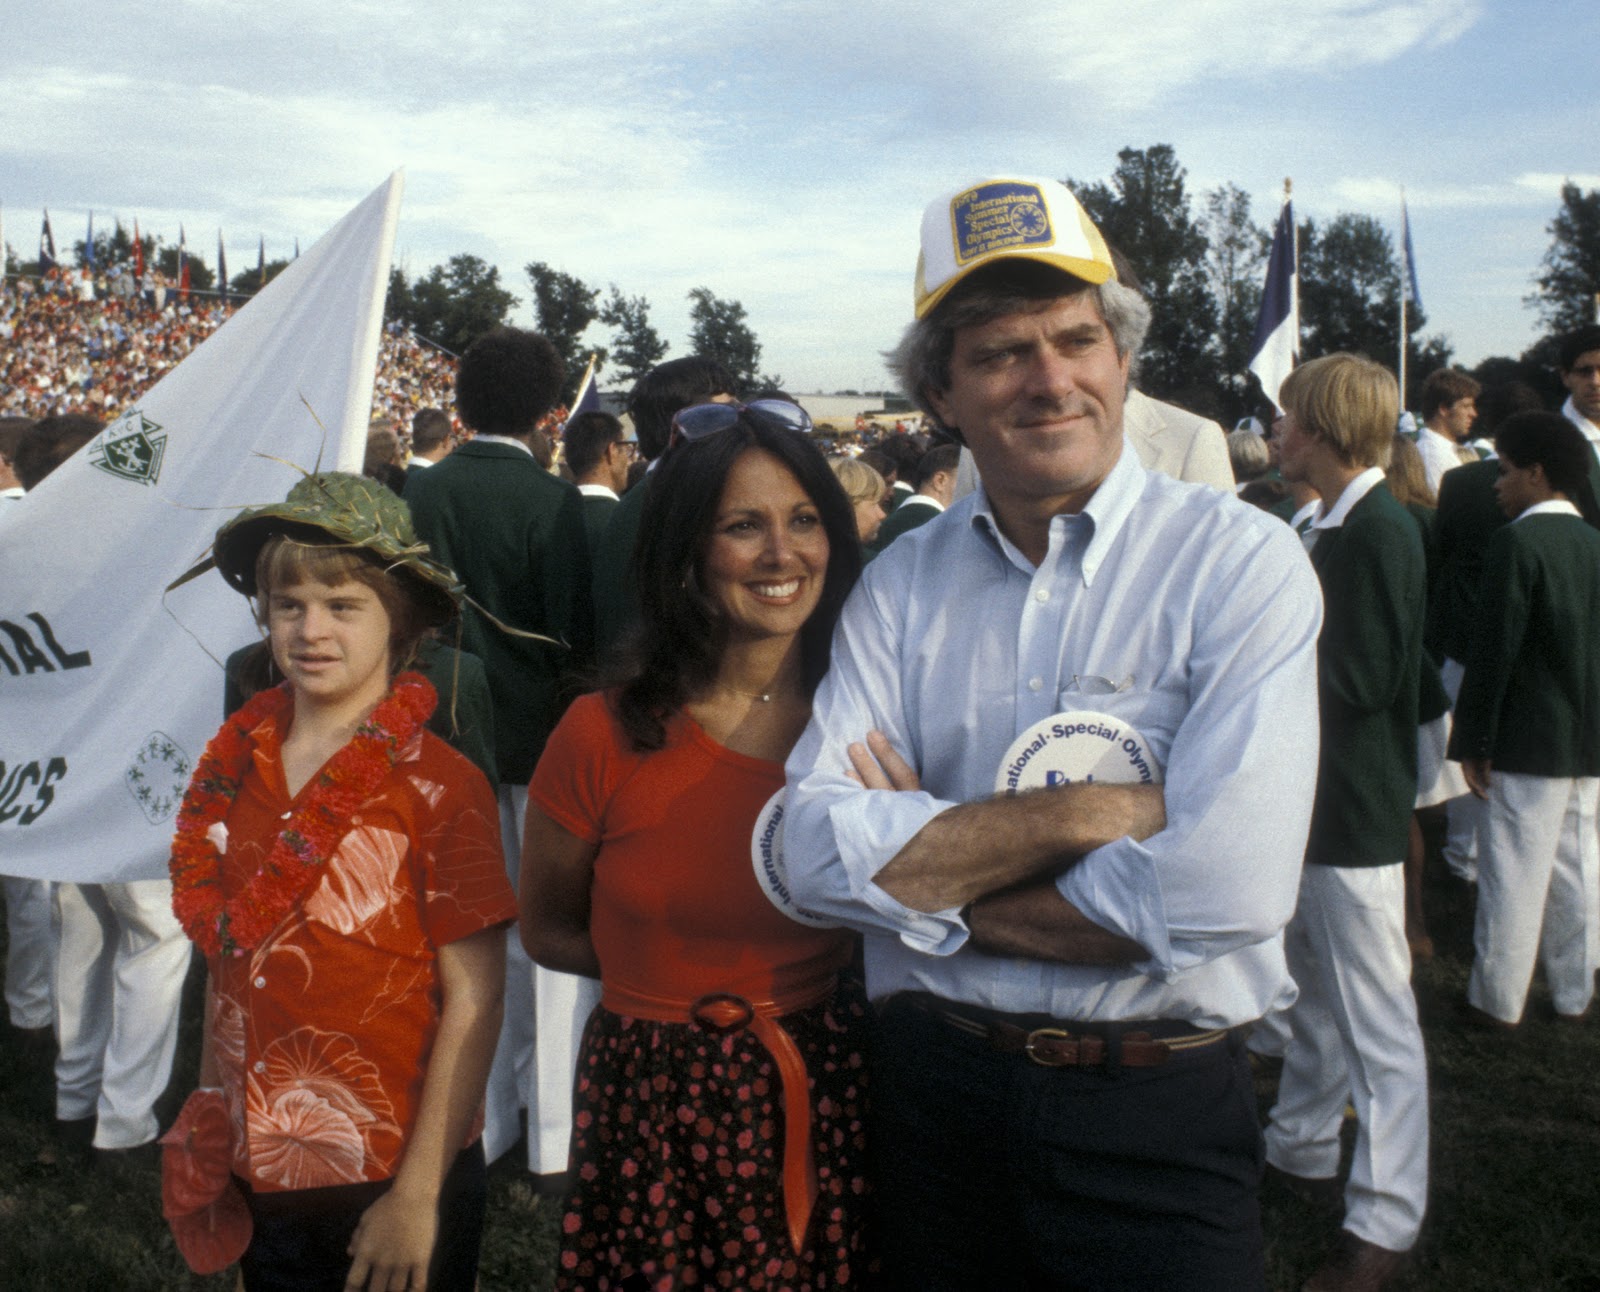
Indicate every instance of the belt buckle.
{"type": "Point", "coordinates": [722, 1012]}
{"type": "Point", "coordinates": [1049, 1058]}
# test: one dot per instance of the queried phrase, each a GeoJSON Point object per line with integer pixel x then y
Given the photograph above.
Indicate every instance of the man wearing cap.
{"type": "Point", "coordinates": [1062, 1092]}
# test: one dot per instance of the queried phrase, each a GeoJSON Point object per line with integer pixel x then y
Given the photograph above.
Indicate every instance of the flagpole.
{"type": "Point", "coordinates": [1405, 280]}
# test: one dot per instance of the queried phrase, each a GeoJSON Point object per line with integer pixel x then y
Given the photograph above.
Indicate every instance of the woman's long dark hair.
{"type": "Point", "coordinates": [677, 647]}
{"type": "Point", "coordinates": [1550, 441]}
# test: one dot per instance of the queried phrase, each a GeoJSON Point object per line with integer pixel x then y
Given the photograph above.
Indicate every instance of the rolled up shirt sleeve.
{"type": "Point", "coordinates": [1240, 776]}
{"type": "Point", "coordinates": [837, 834]}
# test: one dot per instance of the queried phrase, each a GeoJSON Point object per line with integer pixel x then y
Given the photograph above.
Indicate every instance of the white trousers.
{"type": "Point", "coordinates": [1354, 1036]}
{"type": "Point", "coordinates": [30, 952]}
{"type": "Point", "coordinates": [1463, 814]}
{"type": "Point", "coordinates": [120, 968]}
{"type": "Point", "coordinates": [537, 1055]}
{"type": "Point", "coordinates": [1538, 893]}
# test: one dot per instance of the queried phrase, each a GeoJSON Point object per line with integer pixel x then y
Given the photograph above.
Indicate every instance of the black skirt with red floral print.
{"type": "Point", "coordinates": [677, 1156]}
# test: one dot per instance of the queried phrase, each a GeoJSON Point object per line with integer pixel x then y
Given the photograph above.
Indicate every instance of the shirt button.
{"type": "Point", "coordinates": [1035, 684]}
{"type": "Point", "coordinates": [261, 982]}
{"type": "Point", "coordinates": [1043, 594]}
{"type": "Point", "coordinates": [260, 1066]}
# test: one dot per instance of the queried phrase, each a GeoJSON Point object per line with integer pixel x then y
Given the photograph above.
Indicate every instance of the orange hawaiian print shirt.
{"type": "Point", "coordinates": [322, 1033]}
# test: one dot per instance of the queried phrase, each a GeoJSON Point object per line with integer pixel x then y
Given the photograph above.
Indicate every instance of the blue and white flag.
{"type": "Point", "coordinates": [587, 400]}
{"type": "Point", "coordinates": [110, 685]}
{"type": "Point", "coordinates": [1276, 345]}
{"type": "Point", "coordinates": [1408, 281]}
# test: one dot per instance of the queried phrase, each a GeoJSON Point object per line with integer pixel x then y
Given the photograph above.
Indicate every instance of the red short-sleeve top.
{"type": "Point", "coordinates": [676, 908]}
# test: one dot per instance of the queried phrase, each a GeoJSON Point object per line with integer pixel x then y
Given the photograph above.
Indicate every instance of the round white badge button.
{"type": "Point", "coordinates": [766, 852]}
{"type": "Point", "coordinates": [1074, 747]}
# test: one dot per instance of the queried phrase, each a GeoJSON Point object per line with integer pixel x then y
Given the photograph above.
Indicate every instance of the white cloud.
{"type": "Point", "coordinates": [1530, 189]}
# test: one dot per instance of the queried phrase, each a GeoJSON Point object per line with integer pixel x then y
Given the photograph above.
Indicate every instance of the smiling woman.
{"type": "Point", "coordinates": [732, 1028]}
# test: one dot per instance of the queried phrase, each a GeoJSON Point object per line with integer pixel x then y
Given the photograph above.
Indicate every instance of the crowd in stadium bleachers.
{"type": "Point", "coordinates": [64, 349]}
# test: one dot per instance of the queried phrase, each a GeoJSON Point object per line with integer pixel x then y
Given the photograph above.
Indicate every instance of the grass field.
{"type": "Point", "coordinates": [1515, 1167]}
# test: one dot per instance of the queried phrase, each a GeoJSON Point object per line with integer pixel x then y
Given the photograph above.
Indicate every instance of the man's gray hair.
{"type": "Point", "coordinates": [921, 361]}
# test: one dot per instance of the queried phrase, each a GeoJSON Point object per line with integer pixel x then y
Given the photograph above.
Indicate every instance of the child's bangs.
{"type": "Point", "coordinates": [285, 561]}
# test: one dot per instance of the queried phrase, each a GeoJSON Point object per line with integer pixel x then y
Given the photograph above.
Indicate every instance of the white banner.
{"type": "Point", "coordinates": [108, 690]}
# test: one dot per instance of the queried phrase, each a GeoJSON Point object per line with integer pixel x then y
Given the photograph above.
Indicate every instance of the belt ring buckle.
{"type": "Point", "coordinates": [1057, 1059]}
{"type": "Point", "coordinates": [722, 1012]}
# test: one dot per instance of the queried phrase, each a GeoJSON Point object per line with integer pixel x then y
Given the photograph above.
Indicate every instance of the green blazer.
{"type": "Point", "coordinates": [597, 509]}
{"type": "Point", "coordinates": [514, 535]}
{"type": "Point", "coordinates": [1466, 519]}
{"type": "Point", "coordinates": [1530, 699]}
{"type": "Point", "coordinates": [902, 520]}
{"type": "Point", "coordinates": [616, 591]}
{"type": "Point", "coordinates": [1433, 701]}
{"type": "Point", "coordinates": [1373, 576]}
{"type": "Point", "coordinates": [463, 720]}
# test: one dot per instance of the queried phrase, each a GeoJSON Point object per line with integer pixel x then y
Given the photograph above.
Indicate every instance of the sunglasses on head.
{"type": "Point", "coordinates": [700, 420]}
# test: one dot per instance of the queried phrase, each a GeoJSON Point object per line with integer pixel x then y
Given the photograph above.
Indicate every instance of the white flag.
{"type": "Point", "coordinates": [108, 690]}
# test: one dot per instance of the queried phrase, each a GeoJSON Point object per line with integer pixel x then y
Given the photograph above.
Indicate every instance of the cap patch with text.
{"type": "Point", "coordinates": [1010, 217]}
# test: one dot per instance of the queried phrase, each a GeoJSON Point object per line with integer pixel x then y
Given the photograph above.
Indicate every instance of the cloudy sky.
{"type": "Point", "coordinates": [780, 152]}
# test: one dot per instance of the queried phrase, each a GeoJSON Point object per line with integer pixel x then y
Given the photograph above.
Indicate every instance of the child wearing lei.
{"type": "Point", "coordinates": [340, 867]}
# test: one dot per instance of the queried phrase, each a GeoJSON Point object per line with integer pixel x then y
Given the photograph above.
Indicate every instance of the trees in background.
{"type": "Point", "coordinates": [1200, 262]}
{"type": "Point", "coordinates": [1569, 276]}
{"type": "Point", "coordinates": [1144, 213]}
{"type": "Point", "coordinates": [1203, 276]}
{"type": "Point", "coordinates": [247, 282]}
{"type": "Point", "coordinates": [718, 330]}
{"type": "Point", "coordinates": [636, 347]}
{"type": "Point", "coordinates": [564, 306]}
{"type": "Point", "coordinates": [453, 304]}
{"type": "Point", "coordinates": [1235, 268]}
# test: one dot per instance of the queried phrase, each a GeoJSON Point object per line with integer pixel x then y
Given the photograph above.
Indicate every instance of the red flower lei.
{"type": "Point", "coordinates": [319, 822]}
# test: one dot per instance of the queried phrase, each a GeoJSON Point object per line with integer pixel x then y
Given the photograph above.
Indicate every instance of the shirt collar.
{"type": "Point", "coordinates": [1591, 432]}
{"type": "Point", "coordinates": [503, 439]}
{"type": "Point", "coordinates": [923, 500]}
{"type": "Point", "coordinates": [1555, 507]}
{"type": "Point", "coordinates": [1353, 493]}
{"type": "Point", "coordinates": [598, 491]}
{"type": "Point", "coordinates": [1105, 512]}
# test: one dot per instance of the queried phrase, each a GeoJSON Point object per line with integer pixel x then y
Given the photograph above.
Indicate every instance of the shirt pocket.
{"type": "Point", "coordinates": [1144, 714]}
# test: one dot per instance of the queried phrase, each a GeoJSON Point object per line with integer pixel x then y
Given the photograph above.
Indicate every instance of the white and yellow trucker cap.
{"type": "Point", "coordinates": [1006, 218]}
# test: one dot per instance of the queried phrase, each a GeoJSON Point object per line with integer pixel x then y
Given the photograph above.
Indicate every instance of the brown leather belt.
{"type": "Point", "coordinates": [1072, 1045]}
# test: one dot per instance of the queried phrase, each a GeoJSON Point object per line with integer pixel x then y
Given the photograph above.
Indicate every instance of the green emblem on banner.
{"type": "Point", "coordinates": [158, 775]}
{"type": "Point", "coordinates": [131, 448]}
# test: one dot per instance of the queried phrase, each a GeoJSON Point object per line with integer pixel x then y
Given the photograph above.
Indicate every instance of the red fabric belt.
{"type": "Point", "coordinates": [725, 1012]}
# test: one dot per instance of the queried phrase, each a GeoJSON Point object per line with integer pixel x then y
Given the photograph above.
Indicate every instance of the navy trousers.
{"type": "Point", "coordinates": [994, 1172]}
